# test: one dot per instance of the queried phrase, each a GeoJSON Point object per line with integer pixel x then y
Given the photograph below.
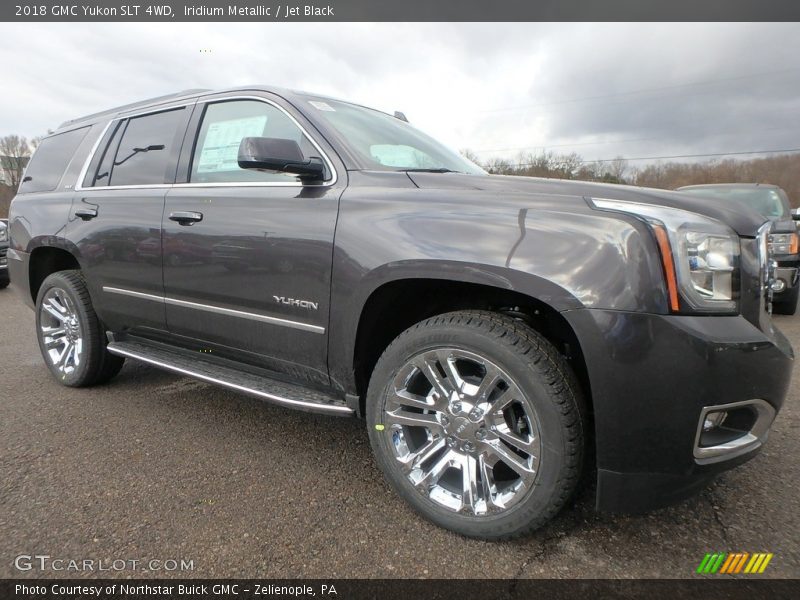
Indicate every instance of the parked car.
{"type": "Point", "coordinates": [3, 249]}
{"type": "Point", "coordinates": [499, 335]}
{"type": "Point", "coordinates": [773, 203]}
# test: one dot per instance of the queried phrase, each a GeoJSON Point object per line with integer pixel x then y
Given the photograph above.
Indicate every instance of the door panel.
{"type": "Point", "coordinates": [116, 214]}
{"type": "Point", "coordinates": [251, 271]}
{"type": "Point", "coordinates": [121, 249]}
{"type": "Point", "coordinates": [252, 245]}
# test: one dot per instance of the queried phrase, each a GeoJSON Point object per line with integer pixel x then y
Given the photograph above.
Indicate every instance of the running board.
{"type": "Point", "coordinates": [190, 364]}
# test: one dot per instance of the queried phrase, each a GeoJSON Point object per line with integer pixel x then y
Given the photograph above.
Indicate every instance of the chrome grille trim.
{"type": "Point", "coordinates": [767, 265]}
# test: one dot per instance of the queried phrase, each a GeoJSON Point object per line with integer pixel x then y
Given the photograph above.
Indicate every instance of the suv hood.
{"type": "Point", "coordinates": [742, 219]}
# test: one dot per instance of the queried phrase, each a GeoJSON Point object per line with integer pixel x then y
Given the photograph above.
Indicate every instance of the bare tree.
{"type": "Point", "coordinates": [617, 168]}
{"type": "Point", "coordinates": [470, 155]}
{"type": "Point", "coordinates": [14, 154]}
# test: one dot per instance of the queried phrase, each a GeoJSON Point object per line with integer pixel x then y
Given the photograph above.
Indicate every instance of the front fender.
{"type": "Point", "coordinates": [556, 250]}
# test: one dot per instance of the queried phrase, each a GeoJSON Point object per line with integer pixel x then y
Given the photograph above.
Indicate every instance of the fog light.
{"type": "Point", "coordinates": [714, 420]}
{"type": "Point", "coordinates": [778, 285]}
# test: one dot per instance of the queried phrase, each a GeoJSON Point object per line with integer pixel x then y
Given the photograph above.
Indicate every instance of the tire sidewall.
{"type": "Point", "coordinates": [540, 498]}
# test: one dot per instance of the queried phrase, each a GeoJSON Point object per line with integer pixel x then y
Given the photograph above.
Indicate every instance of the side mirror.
{"type": "Point", "coordinates": [275, 154]}
{"type": "Point", "coordinates": [796, 214]}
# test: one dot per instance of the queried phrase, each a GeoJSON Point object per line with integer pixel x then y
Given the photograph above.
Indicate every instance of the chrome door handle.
{"type": "Point", "coordinates": [86, 213]}
{"type": "Point", "coordinates": [186, 218]}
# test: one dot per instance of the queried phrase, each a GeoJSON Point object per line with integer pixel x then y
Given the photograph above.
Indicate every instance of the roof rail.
{"type": "Point", "coordinates": [149, 101]}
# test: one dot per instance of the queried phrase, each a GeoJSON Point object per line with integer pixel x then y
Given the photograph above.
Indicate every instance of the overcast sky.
{"type": "Point", "coordinates": [600, 90]}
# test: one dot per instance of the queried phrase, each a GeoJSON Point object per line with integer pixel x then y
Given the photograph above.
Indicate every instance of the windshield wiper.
{"type": "Point", "coordinates": [440, 170]}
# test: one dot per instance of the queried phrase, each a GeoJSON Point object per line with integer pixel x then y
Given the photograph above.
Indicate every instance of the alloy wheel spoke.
{"type": "Point", "coordinates": [469, 483]}
{"type": "Point", "coordinates": [54, 342]}
{"type": "Point", "coordinates": [432, 476]}
{"type": "Point", "coordinates": [511, 459]}
{"type": "Point", "coordinates": [487, 482]}
{"type": "Point", "coordinates": [61, 361]}
{"type": "Point", "coordinates": [431, 374]}
{"type": "Point", "coordinates": [503, 400]}
{"type": "Point", "coordinates": [406, 398]}
{"type": "Point", "coordinates": [403, 417]}
{"type": "Point", "coordinates": [51, 309]}
{"type": "Point", "coordinates": [524, 444]}
{"type": "Point", "coordinates": [449, 367]}
{"type": "Point", "coordinates": [487, 385]}
{"type": "Point", "coordinates": [424, 453]}
{"type": "Point", "coordinates": [76, 355]}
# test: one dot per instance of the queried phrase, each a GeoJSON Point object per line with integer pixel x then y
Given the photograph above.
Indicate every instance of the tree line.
{"type": "Point", "coordinates": [782, 170]}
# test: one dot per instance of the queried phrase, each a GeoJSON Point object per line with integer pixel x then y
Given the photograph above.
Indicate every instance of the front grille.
{"type": "Point", "coordinates": [768, 265]}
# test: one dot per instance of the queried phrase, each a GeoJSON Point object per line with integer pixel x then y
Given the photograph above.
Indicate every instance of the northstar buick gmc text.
{"type": "Point", "coordinates": [500, 335]}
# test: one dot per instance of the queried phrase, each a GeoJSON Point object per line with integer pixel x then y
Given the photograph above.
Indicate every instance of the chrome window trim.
{"type": "Point", "coordinates": [230, 312]}
{"type": "Point", "coordinates": [82, 175]}
{"type": "Point", "coordinates": [334, 173]}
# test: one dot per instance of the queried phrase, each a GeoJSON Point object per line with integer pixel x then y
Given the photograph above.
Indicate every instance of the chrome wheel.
{"type": "Point", "coordinates": [463, 432]}
{"type": "Point", "coordinates": [60, 328]}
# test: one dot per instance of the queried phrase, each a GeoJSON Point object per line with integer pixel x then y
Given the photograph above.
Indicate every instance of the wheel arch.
{"type": "Point", "coordinates": [46, 260]}
{"type": "Point", "coordinates": [411, 299]}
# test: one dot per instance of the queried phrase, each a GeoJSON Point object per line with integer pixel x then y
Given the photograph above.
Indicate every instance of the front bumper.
{"type": "Point", "coordinates": [652, 378]}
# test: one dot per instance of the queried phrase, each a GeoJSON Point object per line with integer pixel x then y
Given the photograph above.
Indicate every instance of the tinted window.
{"type": "Point", "coordinates": [147, 150]}
{"type": "Point", "coordinates": [223, 127]}
{"type": "Point", "coordinates": [50, 160]}
{"type": "Point", "coordinates": [385, 142]}
{"type": "Point", "coordinates": [111, 143]}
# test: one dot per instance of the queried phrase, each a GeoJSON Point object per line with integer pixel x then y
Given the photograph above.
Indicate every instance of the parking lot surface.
{"type": "Point", "coordinates": [153, 466]}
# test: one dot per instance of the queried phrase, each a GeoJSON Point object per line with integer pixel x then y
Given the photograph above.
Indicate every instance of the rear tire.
{"type": "Point", "coordinates": [71, 337]}
{"type": "Point", "coordinates": [477, 421]}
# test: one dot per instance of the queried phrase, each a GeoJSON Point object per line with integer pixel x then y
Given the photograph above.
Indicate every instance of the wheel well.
{"type": "Point", "coordinates": [44, 262]}
{"type": "Point", "coordinates": [396, 306]}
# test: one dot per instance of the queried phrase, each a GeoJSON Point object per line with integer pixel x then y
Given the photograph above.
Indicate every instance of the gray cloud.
{"type": "Point", "coordinates": [568, 87]}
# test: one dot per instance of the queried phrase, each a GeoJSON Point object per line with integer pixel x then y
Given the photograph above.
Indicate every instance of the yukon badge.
{"type": "Point", "coordinates": [295, 302]}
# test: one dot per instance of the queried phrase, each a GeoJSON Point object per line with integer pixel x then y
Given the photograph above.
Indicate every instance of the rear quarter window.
{"type": "Point", "coordinates": [50, 161]}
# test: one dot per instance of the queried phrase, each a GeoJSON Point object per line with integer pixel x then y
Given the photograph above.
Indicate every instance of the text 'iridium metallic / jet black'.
{"type": "Point", "coordinates": [324, 256]}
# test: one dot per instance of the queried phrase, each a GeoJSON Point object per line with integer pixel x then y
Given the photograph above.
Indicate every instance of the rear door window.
{"type": "Point", "coordinates": [50, 161]}
{"type": "Point", "coordinates": [148, 149]}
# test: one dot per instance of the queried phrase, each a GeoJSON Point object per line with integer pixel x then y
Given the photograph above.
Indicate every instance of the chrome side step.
{"type": "Point", "coordinates": [190, 364]}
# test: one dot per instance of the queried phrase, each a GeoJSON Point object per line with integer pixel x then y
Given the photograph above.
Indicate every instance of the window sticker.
{"type": "Point", "coordinates": [321, 105]}
{"type": "Point", "coordinates": [221, 146]}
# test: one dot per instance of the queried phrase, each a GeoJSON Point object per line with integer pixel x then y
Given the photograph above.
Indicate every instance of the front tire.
{"type": "Point", "coordinates": [71, 337]}
{"type": "Point", "coordinates": [477, 421]}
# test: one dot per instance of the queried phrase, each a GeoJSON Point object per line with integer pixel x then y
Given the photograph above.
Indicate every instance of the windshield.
{"type": "Point", "coordinates": [770, 202]}
{"type": "Point", "coordinates": [385, 142]}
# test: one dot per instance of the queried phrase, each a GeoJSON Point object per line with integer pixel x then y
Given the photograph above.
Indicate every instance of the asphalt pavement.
{"type": "Point", "coordinates": [210, 483]}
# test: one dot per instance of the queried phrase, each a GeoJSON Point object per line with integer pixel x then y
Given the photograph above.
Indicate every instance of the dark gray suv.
{"type": "Point", "coordinates": [499, 335]}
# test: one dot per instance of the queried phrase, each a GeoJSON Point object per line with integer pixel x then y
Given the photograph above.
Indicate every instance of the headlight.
{"type": "Point", "coordinates": [3, 233]}
{"type": "Point", "coordinates": [783, 243]}
{"type": "Point", "coordinates": [700, 255]}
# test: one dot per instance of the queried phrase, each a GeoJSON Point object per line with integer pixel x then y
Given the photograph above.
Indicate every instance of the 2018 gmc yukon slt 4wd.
{"type": "Point", "coordinates": [492, 331]}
